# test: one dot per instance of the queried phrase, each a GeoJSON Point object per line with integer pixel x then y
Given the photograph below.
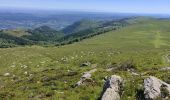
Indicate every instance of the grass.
{"type": "Point", "coordinates": [42, 73]}
{"type": "Point", "coordinates": [157, 41]}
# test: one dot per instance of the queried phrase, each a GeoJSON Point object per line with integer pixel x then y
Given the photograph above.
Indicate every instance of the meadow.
{"type": "Point", "coordinates": [49, 73]}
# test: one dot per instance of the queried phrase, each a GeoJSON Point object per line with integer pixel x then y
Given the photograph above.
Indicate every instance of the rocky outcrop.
{"type": "Point", "coordinates": [112, 88]}
{"type": "Point", "coordinates": [155, 88]}
{"type": "Point", "coordinates": [86, 75]}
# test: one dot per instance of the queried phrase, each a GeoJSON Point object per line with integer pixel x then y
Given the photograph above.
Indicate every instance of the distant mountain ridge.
{"type": "Point", "coordinates": [83, 29]}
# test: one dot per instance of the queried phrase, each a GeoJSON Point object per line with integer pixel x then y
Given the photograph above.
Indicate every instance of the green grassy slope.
{"type": "Point", "coordinates": [37, 72]}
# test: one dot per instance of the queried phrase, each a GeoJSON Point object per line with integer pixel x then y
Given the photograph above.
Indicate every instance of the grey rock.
{"type": "Point", "coordinates": [85, 76]}
{"type": "Point", "coordinates": [152, 88]}
{"type": "Point", "coordinates": [112, 88]}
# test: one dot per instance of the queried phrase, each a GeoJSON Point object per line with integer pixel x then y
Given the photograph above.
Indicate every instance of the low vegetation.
{"type": "Point", "coordinates": [133, 52]}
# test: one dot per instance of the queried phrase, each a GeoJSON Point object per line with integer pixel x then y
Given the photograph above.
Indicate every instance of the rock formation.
{"type": "Point", "coordinates": [155, 88]}
{"type": "Point", "coordinates": [112, 88]}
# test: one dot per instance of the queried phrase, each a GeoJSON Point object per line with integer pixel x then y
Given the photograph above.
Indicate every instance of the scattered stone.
{"type": "Point", "coordinates": [24, 66]}
{"type": "Point", "coordinates": [30, 75]}
{"type": "Point", "coordinates": [64, 59]}
{"type": "Point", "coordinates": [65, 82]}
{"type": "Point", "coordinates": [7, 74]}
{"type": "Point", "coordinates": [86, 76]}
{"type": "Point", "coordinates": [85, 64]}
{"type": "Point", "coordinates": [135, 74]}
{"type": "Point", "coordinates": [13, 75]}
{"type": "Point", "coordinates": [154, 88]}
{"type": "Point", "coordinates": [59, 92]}
{"type": "Point", "coordinates": [13, 66]}
{"type": "Point", "coordinates": [26, 73]}
{"type": "Point", "coordinates": [109, 69]}
{"type": "Point", "coordinates": [165, 69]}
{"type": "Point", "coordinates": [112, 88]}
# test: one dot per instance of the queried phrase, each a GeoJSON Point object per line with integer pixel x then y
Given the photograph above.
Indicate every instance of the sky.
{"type": "Point", "coordinates": [121, 6]}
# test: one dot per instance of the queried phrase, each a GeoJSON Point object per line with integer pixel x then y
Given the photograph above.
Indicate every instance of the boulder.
{"type": "Point", "coordinates": [155, 88]}
{"type": "Point", "coordinates": [112, 88]}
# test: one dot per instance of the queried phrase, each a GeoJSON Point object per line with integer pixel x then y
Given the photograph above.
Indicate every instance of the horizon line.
{"type": "Point", "coordinates": [77, 10]}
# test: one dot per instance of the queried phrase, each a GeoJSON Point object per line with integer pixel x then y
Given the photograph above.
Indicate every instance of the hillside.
{"type": "Point", "coordinates": [89, 28]}
{"type": "Point", "coordinates": [16, 32]}
{"type": "Point", "coordinates": [80, 26]}
{"type": "Point", "coordinates": [44, 33]}
{"type": "Point", "coordinates": [50, 73]}
{"type": "Point", "coordinates": [7, 40]}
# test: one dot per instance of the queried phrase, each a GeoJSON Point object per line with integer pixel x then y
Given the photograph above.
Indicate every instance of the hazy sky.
{"type": "Point", "coordinates": [134, 6]}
